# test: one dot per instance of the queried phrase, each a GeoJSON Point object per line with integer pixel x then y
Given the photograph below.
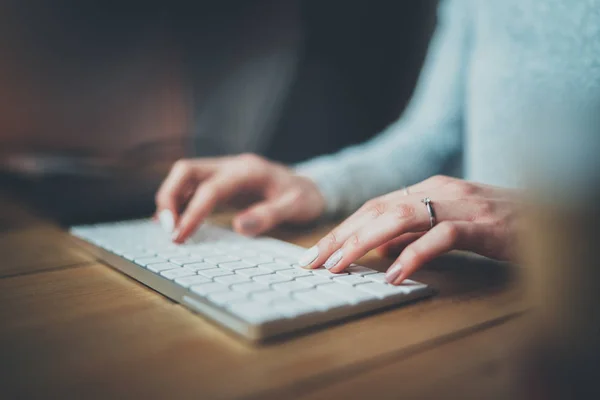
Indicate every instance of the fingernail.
{"type": "Point", "coordinates": [393, 272]}
{"type": "Point", "coordinates": [249, 224]}
{"type": "Point", "coordinates": [309, 256]}
{"type": "Point", "coordinates": [334, 259]}
{"type": "Point", "coordinates": [167, 220]}
{"type": "Point", "coordinates": [175, 235]}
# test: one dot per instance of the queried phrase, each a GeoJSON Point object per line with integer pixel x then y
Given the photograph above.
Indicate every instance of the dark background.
{"type": "Point", "coordinates": [114, 87]}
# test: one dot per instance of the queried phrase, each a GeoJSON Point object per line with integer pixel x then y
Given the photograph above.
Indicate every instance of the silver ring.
{"type": "Point", "coordinates": [427, 202]}
{"type": "Point", "coordinates": [405, 190]}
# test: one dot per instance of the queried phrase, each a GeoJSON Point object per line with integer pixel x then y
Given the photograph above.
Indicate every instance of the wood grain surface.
{"type": "Point", "coordinates": [73, 327]}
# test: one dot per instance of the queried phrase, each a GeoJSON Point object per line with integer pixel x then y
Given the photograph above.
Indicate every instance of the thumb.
{"type": "Point", "coordinates": [265, 215]}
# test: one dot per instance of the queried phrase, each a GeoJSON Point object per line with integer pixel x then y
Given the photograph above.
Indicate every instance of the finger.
{"type": "Point", "coordinates": [334, 239]}
{"type": "Point", "coordinates": [176, 185]}
{"type": "Point", "coordinates": [440, 239]}
{"type": "Point", "coordinates": [267, 214]}
{"type": "Point", "coordinates": [395, 246]}
{"type": "Point", "coordinates": [214, 190]}
{"type": "Point", "coordinates": [380, 223]}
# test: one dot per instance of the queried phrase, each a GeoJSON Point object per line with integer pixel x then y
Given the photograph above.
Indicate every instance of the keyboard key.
{"type": "Point", "coordinates": [200, 266]}
{"type": "Point", "coordinates": [360, 270]}
{"type": "Point", "coordinates": [257, 260]}
{"type": "Point", "coordinates": [177, 273]}
{"type": "Point", "coordinates": [191, 280]}
{"type": "Point", "coordinates": [207, 288]}
{"type": "Point", "coordinates": [145, 261]}
{"type": "Point", "coordinates": [275, 266]}
{"type": "Point", "coordinates": [212, 273]}
{"type": "Point", "coordinates": [270, 296]}
{"type": "Point", "coordinates": [293, 308]}
{"type": "Point", "coordinates": [271, 279]}
{"type": "Point", "coordinates": [383, 290]}
{"type": "Point", "coordinates": [314, 280]}
{"type": "Point", "coordinates": [205, 252]}
{"type": "Point", "coordinates": [321, 300]}
{"type": "Point", "coordinates": [291, 286]}
{"type": "Point", "coordinates": [226, 298]}
{"type": "Point", "coordinates": [232, 279]}
{"type": "Point", "coordinates": [255, 271]}
{"type": "Point", "coordinates": [286, 260]}
{"type": "Point", "coordinates": [351, 294]}
{"type": "Point", "coordinates": [250, 287]}
{"type": "Point", "coordinates": [221, 259]}
{"type": "Point", "coordinates": [254, 312]}
{"type": "Point", "coordinates": [324, 272]}
{"type": "Point", "coordinates": [185, 260]}
{"type": "Point", "coordinates": [162, 267]}
{"type": "Point", "coordinates": [235, 265]}
{"type": "Point", "coordinates": [378, 277]}
{"type": "Point", "coordinates": [172, 254]}
{"type": "Point", "coordinates": [294, 272]}
{"type": "Point", "coordinates": [350, 280]}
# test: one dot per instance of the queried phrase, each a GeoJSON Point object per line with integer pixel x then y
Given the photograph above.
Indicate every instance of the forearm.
{"type": "Point", "coordinates": [418, 145]}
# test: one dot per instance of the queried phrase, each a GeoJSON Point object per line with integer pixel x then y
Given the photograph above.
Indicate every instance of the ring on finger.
{"type": "Point", "coordinates": [432, 219]}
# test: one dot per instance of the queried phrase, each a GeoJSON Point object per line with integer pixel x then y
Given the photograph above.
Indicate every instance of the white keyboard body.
{"type": "Point", "coordinates": [252, 286]}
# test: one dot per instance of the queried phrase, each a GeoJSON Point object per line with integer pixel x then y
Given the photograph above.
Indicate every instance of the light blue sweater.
{"type": "Point", "coordinates": [500, 77]}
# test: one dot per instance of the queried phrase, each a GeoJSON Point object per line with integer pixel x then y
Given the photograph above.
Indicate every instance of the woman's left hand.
{"type": "Point", "coordinates": [469, 216]}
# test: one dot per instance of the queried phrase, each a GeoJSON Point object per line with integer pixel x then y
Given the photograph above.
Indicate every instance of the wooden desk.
{"type": "Point", "coordinates": [73, 327]}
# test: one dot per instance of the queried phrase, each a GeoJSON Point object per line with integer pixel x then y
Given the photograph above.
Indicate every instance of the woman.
{"type": "Point", "coordinates": [493, 69]}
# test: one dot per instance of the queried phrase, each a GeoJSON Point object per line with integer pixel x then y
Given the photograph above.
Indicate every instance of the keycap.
{"type": "Point", "coordinates": [172, 254]}
{"type": "Point", "coordinates": [293, 308]}
{"type": "Point", "coordinates": [145, 261]}
{"type": "Point", "coordinates": [235, 265]}
{"type": "Point", "coordinates": [324, 272]}
{"type": "Point", "coordinates": [270, 296]}
{"type": "Point", "coordinates": [212, 273]}
{"type": "Point", "coordinates": [350, 280]}
{"type": "Point", "coordinates": [383, 290]}
{"type": "Point", "coordinates": [225, 298]}
{"type": "Point", "coordinates": [291, 286]}
{"type": "Point", "coordinates": [191, 280]}
{"type": "Point", "coordinates": [350, 293]}
{"type": "Point", "coordinates": [378, 277]}
{"type": "Point", "coordinates": [162, 267]}
{"type": "Point", "coordinates": [286, 260]}
{"type": "Point", "coordinates": [221, 259]}
{"type": "Point", "coordinates": [177, 273]}
{"type": "Point", "coordinates": [254, 312]}
{"type": "Point", "coordinates": [321, 300]}
{"type": "Point", "coordinates": [360, 270]}
{"type": "Point", "coordinates": [294, 272]}
{"type": "Point", "coordinates": [200, 266]}
{"type": "Point", "coordinates": [185, 260]}
{"type": "Point", "coordinates": [257, 260]}
{"type": "Point", "coordinates": [275, 266]}
{"type": "Point", "coordinates": [205, 252]}
{"type": "Point", "coordinates": [255, 271]}
{"type": "Point", "coordinates": [232, 279]}
{"type": "Point", "coordinates": [208, 288]}
{"type": "Point", "coordinates": [249, 287]}
{"type": "Point", "coordinates": [271, 278]}
{"type": "Point", "coordinates": [314, 280]}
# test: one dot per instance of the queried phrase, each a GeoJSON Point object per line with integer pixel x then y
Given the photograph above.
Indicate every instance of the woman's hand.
{"type": "Point", "coordinates": [469, 216]}
{"type": "Point", "coordinates": [196, 186]}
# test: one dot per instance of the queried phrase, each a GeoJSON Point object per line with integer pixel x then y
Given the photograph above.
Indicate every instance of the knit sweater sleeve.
{"type": "Point", "coordinates": [420, 143]}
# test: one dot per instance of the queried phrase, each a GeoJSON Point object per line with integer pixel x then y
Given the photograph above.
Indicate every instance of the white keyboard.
{"type": "Point", "coordinates": [252, 286]}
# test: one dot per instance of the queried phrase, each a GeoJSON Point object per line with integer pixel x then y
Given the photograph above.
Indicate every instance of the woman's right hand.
{"type": "Point", "coordinates": [195, 186]}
